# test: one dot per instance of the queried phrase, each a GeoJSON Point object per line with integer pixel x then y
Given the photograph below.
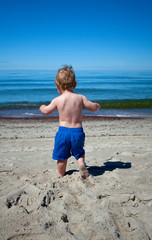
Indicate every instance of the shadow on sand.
{"type": "Point", "coordinates": [108, 166]}
{"type": "Point", "coordinates": [69, 172]}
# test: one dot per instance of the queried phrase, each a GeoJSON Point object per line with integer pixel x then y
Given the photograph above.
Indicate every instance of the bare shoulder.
{"type": "Point", "coordinates": [81, 96]}
{"type": "Point", "coordinates": [84, 98]}
{"type": "Point", "coordinates": [55, 100]}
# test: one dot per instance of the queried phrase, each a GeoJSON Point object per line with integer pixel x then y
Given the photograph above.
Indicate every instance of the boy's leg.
{"type": "Point", "coordinates": [83, 170]}
{"type": "Point", "coordinates": [61, 165]}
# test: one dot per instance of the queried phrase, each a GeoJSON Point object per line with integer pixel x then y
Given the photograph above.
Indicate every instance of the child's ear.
{"type": "Point", "coordinates": [75, 85]}
{"type": "Point", "coordinates": [58, 87]}
{"type": "Point", "coordinates": [56, 84]}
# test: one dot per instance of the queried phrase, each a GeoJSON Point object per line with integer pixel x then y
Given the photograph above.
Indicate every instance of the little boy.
{"type": "Point", "coordinates": [70, 137]}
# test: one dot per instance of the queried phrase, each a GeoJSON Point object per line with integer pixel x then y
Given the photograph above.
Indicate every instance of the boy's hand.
{"type": "Point", "coordinates": [97, 106]}
{"type": "Point", "coordinates": [41, 107]}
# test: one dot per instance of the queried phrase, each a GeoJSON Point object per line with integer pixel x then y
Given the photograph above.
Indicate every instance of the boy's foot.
{"type": "Point", "coordinates": [59, 175]}
{"type": "Point", "coordinates": [84, 172]}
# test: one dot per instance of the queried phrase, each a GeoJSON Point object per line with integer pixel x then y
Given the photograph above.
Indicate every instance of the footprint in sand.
{"type": "Point", "coordinates": [13, 199]}
{"type": "Point", "coordinates": [48, 198]}
{"type": "Point", "coordinates": [28, 199]}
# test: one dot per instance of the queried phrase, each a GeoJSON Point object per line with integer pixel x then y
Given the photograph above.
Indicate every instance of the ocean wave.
{"type": "Point", "coordinates": [105, 104]}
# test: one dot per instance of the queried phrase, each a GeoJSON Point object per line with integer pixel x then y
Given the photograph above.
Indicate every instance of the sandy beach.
{"type": "Point", "coordinates": [115, 202]}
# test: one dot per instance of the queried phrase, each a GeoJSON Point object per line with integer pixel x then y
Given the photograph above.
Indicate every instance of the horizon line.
{"type": "Point", "coordinates": [76, 69]}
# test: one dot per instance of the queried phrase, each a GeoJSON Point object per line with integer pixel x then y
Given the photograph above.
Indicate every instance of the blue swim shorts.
{"type": "Point", "coordinates": [69, 142]}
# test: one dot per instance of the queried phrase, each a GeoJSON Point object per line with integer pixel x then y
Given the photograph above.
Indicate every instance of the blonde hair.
{"type": "Point", "coordinates": [65, 78]}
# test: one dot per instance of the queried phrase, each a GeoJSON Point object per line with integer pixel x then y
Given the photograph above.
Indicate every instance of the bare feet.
{"type": "Point", "coordinates": [59, 175]}
{"type": "Point", "coordinates": [84, 172]}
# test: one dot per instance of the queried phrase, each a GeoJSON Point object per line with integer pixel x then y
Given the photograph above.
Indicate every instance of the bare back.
{"type": "Point", "coordinates": [69, 106]}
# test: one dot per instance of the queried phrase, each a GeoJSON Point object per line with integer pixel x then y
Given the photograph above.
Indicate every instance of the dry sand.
{"type": "Point", "coordinates": [115, 202]}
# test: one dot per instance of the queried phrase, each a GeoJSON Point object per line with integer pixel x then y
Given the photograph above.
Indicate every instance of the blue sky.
{"type": "Point", "coordinates": [95, 34]}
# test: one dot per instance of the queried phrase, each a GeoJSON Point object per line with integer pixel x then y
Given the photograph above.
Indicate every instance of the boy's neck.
{"type": "Point", "coordinates": [66, 91]}
{"type": "Point", "coordinates": [61, 91]}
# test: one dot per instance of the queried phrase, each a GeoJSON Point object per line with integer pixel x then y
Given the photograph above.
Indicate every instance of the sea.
{"type": "Point", "coordinates": [120, 93]}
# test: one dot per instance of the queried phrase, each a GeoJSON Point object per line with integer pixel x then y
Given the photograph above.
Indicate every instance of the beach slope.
{"type": "Point", "coordinates": [115, 202]}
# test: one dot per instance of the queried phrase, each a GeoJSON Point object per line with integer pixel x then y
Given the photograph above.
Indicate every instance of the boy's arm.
{"type": "Point", "coordinates": [90, 105]}
{"type": "Point", "coordinates": [48, 109]}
